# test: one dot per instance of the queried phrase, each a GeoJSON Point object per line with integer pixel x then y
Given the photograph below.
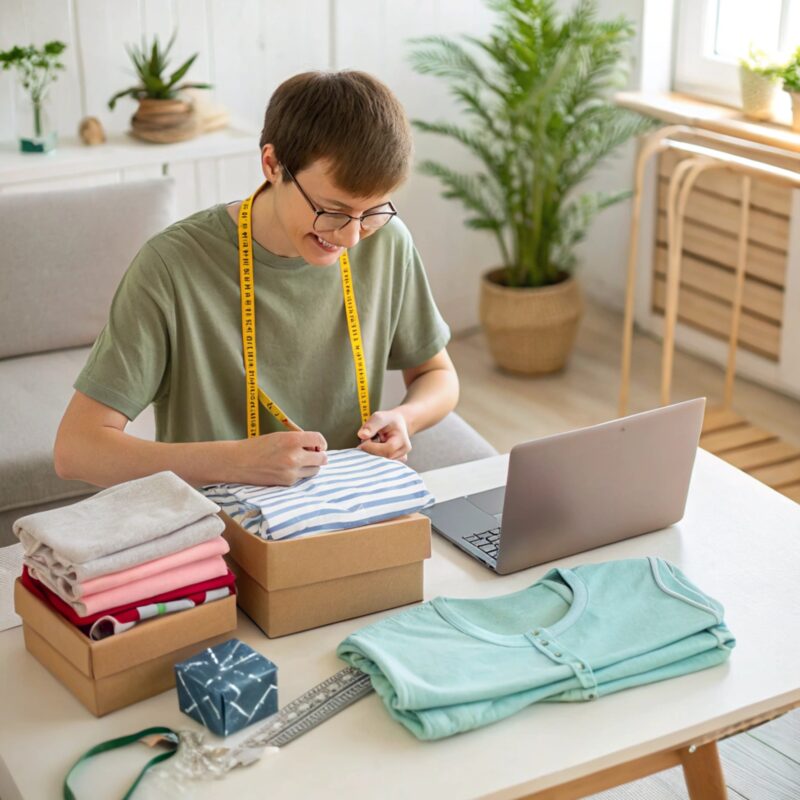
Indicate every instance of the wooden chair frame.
{"type": "Point", "coordinates": [705, 151]}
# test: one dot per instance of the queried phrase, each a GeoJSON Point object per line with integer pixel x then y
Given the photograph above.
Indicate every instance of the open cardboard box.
{"type": "Point", "coordinates": [114, 672]}
{"type": "Point", "coordinates": [294, 585]}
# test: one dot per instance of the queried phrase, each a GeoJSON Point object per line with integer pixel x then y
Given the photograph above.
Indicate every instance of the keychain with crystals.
{"type": "Point", "coordinates": [192, 758]}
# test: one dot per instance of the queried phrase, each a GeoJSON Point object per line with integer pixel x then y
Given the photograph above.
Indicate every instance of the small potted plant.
{"type": "Point", "coordinates": [759, 79]}
{"type": "Point", "coordinates": [38, 69]}
{"type": "Point", "coordinates": [790, 75]}
{"type": "Point", "coordinates": [163, 115]}
{"type": "Point", "coordinates": [538, 119]}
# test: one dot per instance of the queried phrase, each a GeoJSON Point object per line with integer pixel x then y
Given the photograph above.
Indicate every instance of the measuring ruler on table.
{"type": "Point", "coordinates": [312, 708]}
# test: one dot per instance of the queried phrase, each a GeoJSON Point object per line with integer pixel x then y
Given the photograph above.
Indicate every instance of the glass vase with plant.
{"type": "Point", "coordinates": [162, 115]}
{"type": "Point", "coordinates": [538, 117]}
{"type": "Point", "coordinates": [38, 69]}
{"type": "Point", "coordinates": [759, 79]}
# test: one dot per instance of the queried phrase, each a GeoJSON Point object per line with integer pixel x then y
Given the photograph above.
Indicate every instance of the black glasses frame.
{"type": "Point", "coordinates": [318, 212]}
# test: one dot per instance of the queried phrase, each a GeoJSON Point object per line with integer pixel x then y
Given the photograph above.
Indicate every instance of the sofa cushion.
{"type": "Point", "coordinates": [34, 391]}
{"type": "Point", "coordinates": [452, 441]}
{"type": "Point", "coordinates": [64, 253]}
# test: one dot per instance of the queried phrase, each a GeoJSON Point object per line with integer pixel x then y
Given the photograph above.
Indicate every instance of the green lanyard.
{"type": "Point", "coordinates": [166, 735]}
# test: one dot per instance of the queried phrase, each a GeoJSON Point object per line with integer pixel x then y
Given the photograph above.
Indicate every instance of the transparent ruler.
{"type": "Point", "coordinates": [312, 708]}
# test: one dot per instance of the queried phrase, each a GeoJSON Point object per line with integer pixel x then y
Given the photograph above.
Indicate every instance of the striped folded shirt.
{"type": "Point", "coordinates": [354, 488]}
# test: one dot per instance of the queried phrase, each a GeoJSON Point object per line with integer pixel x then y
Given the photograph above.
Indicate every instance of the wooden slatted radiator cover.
{"type": "Point", "coordinates": [708, 257]}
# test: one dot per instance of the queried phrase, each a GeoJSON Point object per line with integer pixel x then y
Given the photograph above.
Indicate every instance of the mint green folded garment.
{"type": "Point", "coordinates": [449, 666]}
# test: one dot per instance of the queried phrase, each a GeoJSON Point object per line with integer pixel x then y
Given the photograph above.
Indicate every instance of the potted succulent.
{"type": "Point", "coordinates": [163, 115]}
{"type": "Point", "coordinates": [38, 69]}
{"type": "Point", "coordinates": [759, 79]}
{"type": "Point", "coordinates": [538, 117]}
{"type": "Point", "coordinates": [790, 76]}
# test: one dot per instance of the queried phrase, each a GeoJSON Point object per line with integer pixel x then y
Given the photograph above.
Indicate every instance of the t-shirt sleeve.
{"type": "Point", "coordinates": [128, 366]}
{"type": "Point", "coordinates": [420, 332]}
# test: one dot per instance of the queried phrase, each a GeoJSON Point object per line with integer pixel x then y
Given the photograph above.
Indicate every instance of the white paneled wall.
{"type": "Point", "coordinates": [247, 47]}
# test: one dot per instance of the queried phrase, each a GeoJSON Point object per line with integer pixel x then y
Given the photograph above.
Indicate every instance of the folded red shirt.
{"type": "Point", "coordinates": [66, 611]}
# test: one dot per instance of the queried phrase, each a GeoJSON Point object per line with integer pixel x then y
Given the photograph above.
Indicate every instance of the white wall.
{"type": "Point", "coordinates": [603, 255]}
{"type": "Point", "coordinates": [247, 47]}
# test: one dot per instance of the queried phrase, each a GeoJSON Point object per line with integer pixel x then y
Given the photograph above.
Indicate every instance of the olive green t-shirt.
{"type": "Point", "coordinates": [173, 337]}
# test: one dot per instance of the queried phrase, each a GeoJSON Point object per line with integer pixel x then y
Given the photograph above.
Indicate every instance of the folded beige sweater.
{"type": "Point", "coordinates": [119, 527]}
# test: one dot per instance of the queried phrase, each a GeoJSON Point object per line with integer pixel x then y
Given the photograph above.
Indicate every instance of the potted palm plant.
{"type": "Point", "coordinates": [538, 117]}
{"type": "Point", "coordinates": [38, 69]}
{"type": "Point", "coordinates": [163, 115]}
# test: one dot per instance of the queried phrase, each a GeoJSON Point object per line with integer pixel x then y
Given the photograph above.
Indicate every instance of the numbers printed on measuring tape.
{"type": "Point", "coordinates": [254, 394]}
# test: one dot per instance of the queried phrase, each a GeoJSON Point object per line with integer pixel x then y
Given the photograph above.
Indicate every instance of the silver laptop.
{"type": "Point", "coordinates": [579, 490]}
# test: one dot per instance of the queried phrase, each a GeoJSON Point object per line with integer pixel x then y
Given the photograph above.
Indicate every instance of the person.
{"type": "Point", "coordinates": [334, 147]}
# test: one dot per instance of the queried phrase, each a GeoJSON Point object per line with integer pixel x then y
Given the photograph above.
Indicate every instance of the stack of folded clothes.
{"type": "Point", "coordinates": [354, 488]}
{"type": "Point", "coordinates": [140, 549]}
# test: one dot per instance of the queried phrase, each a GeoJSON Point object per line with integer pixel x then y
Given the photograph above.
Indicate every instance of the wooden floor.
{"type": "Point", "coordinates": [762, 764]}
{"type": "Point", "coordinates": [508, 409]}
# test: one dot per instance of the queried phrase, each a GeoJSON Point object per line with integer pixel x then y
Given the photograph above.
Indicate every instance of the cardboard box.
{"type": "Point", "coordinates": [303, 583]}
{"type": "Point", "coordinates": [122, 669]}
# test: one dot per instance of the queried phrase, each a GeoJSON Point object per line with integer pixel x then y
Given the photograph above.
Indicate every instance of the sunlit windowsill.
{"type": "Point", "coordinates": [678, 108]}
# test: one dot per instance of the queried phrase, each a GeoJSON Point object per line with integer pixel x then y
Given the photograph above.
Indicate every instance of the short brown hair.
{"type": "Point", "coordinates": [348, 117]}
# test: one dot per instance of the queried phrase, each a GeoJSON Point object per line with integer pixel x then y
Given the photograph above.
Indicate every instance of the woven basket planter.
{"type": "Point", "coordinates": [164, 121]}
{"type": "Point", "coordinates": [530, 331]}
{"type": "Point", "coordinates": [759, 94]}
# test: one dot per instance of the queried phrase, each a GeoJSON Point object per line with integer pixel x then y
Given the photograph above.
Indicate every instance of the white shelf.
{"type": "Point", "coordinates": [73, 158]}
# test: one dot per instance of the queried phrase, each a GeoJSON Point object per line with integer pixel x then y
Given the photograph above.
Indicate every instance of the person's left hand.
{"type": "Point", "coordinates": [390, 431]}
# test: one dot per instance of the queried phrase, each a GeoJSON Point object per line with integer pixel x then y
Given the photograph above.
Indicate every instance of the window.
{"type": "Point", "coordinates": [714, 34]}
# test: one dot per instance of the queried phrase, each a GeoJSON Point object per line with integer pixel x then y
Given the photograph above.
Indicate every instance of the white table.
{"type": "Point", "coordinates": [739, 541]}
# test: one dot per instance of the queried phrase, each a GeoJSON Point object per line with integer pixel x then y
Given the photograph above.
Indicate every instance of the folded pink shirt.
{"type": "Point", "coordinates": [214, 547]}
{"type": "Point", "coordinates": [165, 581]}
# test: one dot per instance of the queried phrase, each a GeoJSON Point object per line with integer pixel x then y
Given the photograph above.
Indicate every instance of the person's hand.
{"type": "Point", "coordinates": [279, 459]}
{"type": "Point", "coordinates": [390, 432]}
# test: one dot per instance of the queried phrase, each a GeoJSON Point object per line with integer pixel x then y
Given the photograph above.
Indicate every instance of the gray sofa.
{"type": "Point", "coordinates": [63, 254]}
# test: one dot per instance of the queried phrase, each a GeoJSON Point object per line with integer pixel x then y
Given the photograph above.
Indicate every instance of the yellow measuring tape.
{"type": "Point", "coordinates": [247, 291]}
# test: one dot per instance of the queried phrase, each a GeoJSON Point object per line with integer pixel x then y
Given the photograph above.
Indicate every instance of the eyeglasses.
{"type": "Point", "coordinates": [327, 221]}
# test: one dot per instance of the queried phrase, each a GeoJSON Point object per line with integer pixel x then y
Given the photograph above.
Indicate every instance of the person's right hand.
{"type": "Point", "coordinates": [278, 459]}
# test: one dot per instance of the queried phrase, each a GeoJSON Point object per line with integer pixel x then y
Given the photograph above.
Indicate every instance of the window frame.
{"type": "Point", "coordinates": [696, 71]}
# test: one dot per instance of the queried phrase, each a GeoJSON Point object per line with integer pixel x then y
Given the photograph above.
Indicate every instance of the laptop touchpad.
{"type": "Point", "coordinates": [490, 501]}
{"type": "Point", "coordinates": [458, 518]}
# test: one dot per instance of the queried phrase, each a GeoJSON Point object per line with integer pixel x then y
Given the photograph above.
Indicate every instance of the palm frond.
{"type": "Point", "coordinates": [471, 190]}
{"type": "Point", "coordinates": [537, 115]}
{"type": "Point", "coordinates": [446, 58]}
{"type": "Point", "coordinates": [594, 140]}
{"type": "Point", "coordinates": [478, 144]}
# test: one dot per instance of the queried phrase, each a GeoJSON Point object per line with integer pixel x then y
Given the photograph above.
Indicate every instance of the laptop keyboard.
{"type": "Point", "coordinates": [487, 542]}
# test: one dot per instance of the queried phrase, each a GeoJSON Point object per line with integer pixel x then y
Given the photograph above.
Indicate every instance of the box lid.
{"type": "Point", "coordinates": [326, 556]}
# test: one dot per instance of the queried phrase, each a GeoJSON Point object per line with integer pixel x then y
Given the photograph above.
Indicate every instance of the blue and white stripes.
{"type": "Point", "coordinates": [354, 488]}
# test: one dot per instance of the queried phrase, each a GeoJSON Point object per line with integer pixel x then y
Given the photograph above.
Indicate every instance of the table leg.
{"type": "Point", "coordinates": [703, 772]}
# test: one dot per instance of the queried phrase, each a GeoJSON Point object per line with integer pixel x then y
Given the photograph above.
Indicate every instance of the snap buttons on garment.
{"type": "Point", "coordinates": [536, 632]}
{"type": "Point", "coordinates": [557, 655]}
{"type": "Point", "coordinates": [545, 642]}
